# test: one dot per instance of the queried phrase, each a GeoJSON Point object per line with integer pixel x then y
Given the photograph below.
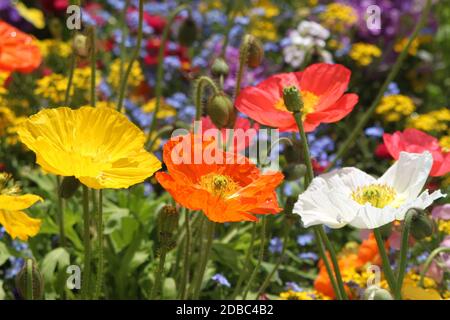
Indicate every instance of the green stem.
{"type": "Point", "coordinates": [205, 258]}
{"type": "Point", "coordinates": [385, 260]}
{"type": "Point", "coordinates": [62, 236]}
{"type": "Point", "coordinates": [246, 265]}
{"type": "Point", "coordinates": [99, 283]}
{"type": "Point", "coordinates": [334, 261]}
{"type": "Point", "coordinates": [87, 245]}
{"type": "Point", "coordinates": [93, 66]}
{"type": "Point", "coordinates": [134, 57]}
{"type": "Point", "coordinates": [157, 287]}
{"type": "Point", "coordinates": [29, 294]}
{"type": "Point", "coordinates": [323, 256]}
{"type": "Point", "coordinates": [200, 85]}
{"type": "Point", "coordinates": [187, 259]}
{"type": "Point", "coordinates": [160, 69]}
{"type": "Point", "coordinates": [320, 233]}
{"type": "Point", "coordinates": [391, 76]}
{"type": "Point", "coordinates": [260, 258]}
{"type": "Point", "coordinates": [243, 57]}
{"type": "Point", "coordinates": [410, 215]}
{"type": "Point", "coordinates": [430, 259]}
{"type": "Point", "coordinates": [277, 265]}
{"type": "Point", "coordinates": [70, 79]}
{"type": "Point", "coordinates": [122, 40]}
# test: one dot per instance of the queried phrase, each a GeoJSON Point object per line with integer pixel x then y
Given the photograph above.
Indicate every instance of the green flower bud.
{"type": "Point", "coordinates": [294, 171]}
{"type": "Point", "coordinates": [220, 68]}
{"type": "Point", "coordinates": [421, 225]}
{"type": "Point", "coordinates": [81, 45]}
{"type": "Point", "coordinates": [221, 111]}
{"type": "Point", "coordinates": [293, 152]}
{"type": "Point", "coordinates": [292, 99]}
{"type": "Point", "coordinates": [187, 33]}
{"type": "Point", "coordinates": [168, 223]}
{"type": "Point", "coordinates": [29, 281]}
{"type": "Point", "coordinates": [377, 293]}
{"type": "Point", "coordinates": [68, 187]}
{"type": "Point", "coordinates": [255, 52]}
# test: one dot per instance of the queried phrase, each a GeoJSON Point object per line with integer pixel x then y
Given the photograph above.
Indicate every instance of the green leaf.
{"type": "Point", "coordinates": [4, 253]}
{"type": "Point", "coordinates": [55, 260]}
{"type": "Point", "coordinates": [2, 292]}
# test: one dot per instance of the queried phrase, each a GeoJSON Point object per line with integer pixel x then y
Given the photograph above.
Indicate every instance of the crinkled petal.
{"type": "Point", "coordinates": [19, 225]}
{"type": "Point", "coordinates": [16, 203]}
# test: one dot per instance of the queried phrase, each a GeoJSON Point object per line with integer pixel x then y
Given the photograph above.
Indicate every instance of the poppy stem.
{"type": "Point", "coordinates": [62, 236]}
{"type": "Point", "coordinates": [70, 79]}
{"type": "Point", "coordinates": [123, 30]}
{"type": "Point", "coordinates": [156, 289]}
{"type": "Point", "coordinates": [187, 259]}
{"type": "Point", "coordinates": [410, 215]}
{"type": "Point", "coordinates": [385, 260]}
{"type": "Point", "coordinates": [87, 245]}
{"type": "Point", "coordinates": [135, 55]}
{"type": "Point", "coordinates": [260, 257]}
{"type": "Point", "coordinates": [93, 39]}
{"type": "Point", "coordinates": [99, 283]}
{"type": "Point", "coordinates": [246, 265]}
{"type": "Point", "coordinates": [30, 278]}
{"type": "Point", "coordinates": [205, 258]}
{"type": "Point", "coordinates": [348, 143]}
{"type": "Point", "coordinates": [160, 69]}
{"type": "Point", "coordinates": [243, 57]}
{"type": "Point", "coordinates": [321, 236]}
{"type": "Point", "coordinates": [428, 262]}
{"type": "Point", "coordinates": [199, 87]}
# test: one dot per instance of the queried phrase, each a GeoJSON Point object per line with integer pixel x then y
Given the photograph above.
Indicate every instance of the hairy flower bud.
{"type": "Point", "coordinates": [221, 111]}
{"type": "Point", "coordinates": [292, 99]}
{"type": "Point", "coordinates": [68, 187]}
{"type": "Point", "coordinates": [220, 68]}
{"type": "Point", "coordinates": [81, 45]}
{"type": "Point", "coordinates": [377, 293]}
{"type": "Point", "coordinates": [255, 52]}
{"type": "Point", "coordinates": [294, 171]}
{"type": "Point", "coordinates": [168, 223]}
{"type": "Point", "coordinates": [421, 225]}
{"type": "Point", "coordinates": [187, 33]}
{"type": "Point", "coordinates": [29, 281]}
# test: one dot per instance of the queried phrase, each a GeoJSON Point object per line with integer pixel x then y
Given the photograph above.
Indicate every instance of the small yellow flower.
{"type": "Point", "coordinates": [364, 53]}
{"type": "Point", "coordinates": [7, 118]}
{"type": "Point", "coordinates": [394, 107]}
{"type": "Point", "coordinates": [303, 295]}
{"type": "Point", "coordinates": [445, 143]}
{"type": "Point", "coordinates": [165, 110]}
{"type": "Point", "coordinates": [17, 223]}
{"type": "Point", "coordinates": [98, 146]}
{"type": "Point", "coordinates": [338, 17]}
{"type": "Point", "coordinates": [437, 120]}
{"type": "Point", "coordinates": [134, 79]}
{"type": "Point", "coordinates": [54, 47]}
{"type": "Point", "coordinates": [444, 226]}
{"type": "Point", "coordinates": [401, 44]}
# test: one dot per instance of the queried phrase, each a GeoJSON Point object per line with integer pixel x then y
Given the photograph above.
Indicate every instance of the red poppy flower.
{"type": "Point", "coordinates": [382, 152]}
{"type": "Point", "coordinates": [17, 51]}
{"type": "Point", "coordinates": [243, 132]}
{"type": "Point", "coordinates": [227, 190]}
{"type": "Point", "coordinates": [415, 141]}
{"type": "Point", "coordinates": [322, 87]}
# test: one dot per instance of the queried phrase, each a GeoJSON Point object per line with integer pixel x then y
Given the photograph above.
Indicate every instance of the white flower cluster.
{"type": "Point", "coordinates": [309, 37]}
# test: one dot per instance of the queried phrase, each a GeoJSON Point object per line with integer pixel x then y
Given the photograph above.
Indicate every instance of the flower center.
{"type": "Point", "coordinates": [378, 195]}
{"type": "Point", "coordinates": [217, 184]}
{"type": "Point", "coordinates": [7, 186]}
{"type": "Point", "coordinates": [309, 102]}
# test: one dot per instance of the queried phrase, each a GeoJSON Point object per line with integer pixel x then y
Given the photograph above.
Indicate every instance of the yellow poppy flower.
{"type": "Point", "coordinates": [17, 223]}
{"type": "Point", "coordinates": [98, 146]}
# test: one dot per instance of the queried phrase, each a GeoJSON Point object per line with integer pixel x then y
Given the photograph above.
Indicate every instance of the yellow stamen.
{"type": "Point", "coordinates": [217, 184]}
{"type": "Point", "coordinates": [378, 195]}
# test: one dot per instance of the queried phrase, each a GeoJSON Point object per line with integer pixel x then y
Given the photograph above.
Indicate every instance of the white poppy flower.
{"type": "Point", "coordinates": [350, 196]}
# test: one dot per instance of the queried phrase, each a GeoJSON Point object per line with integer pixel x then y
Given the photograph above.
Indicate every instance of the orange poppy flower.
{"type": "Point", "coordinates": [322, 87]}
{"type": "Point", "coordinates": [17, 50]}
{"type": "Point", "coordinates": [226, 187]}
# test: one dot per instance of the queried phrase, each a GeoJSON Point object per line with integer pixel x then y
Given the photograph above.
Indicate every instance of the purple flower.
{"type": "Point", "coordinates": [305, 239]}
{"type": "Point", "coordinates": [293, 286]}
{"type": "Point", "coordinates": [375, 132]}
{"type": "Point", "coordinates": [220, 279]}
{"type": "Point", "coordinates": [308, 256]}
{"type": "Point", "coordinates": [441, 212]}
{"type": "Point", "coordinates": [275, 245]}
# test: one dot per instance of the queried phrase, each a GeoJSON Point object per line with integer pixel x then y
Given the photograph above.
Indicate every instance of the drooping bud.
{"type": "Point", "coordinates": [377, 293]}
{"type": "Point", "coordinates": [293, 152]}
{"type": "Point", "coordinates": [188, 32]}
{"type": "Point", "coordinates": [292, 99]}
{"type": "Point", "coordinates": [294, 171]}
{"type": "Point", "coordinates": [81, 45]}
{"type": "Point", "coordinates": [168, 223]}
{"type": "Point", "coordinates": [29, 281]}
{"type": "Point", "coordinates": [68, 187]}
{"type": "Point", "coordinates": [220, 68]}
{"type": "Point", "coordinates": [255, 52]}
{"type": "Point", "coordinates": [421, 225]}
{"type": "Point", "coordinates": [221, 111]}
{"type": "Point", "coordinates": [386, 230]}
